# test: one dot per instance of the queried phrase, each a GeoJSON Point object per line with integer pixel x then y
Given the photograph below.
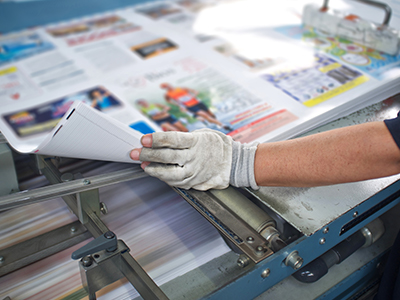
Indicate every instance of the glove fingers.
{"type": "Point", "coordinates": [168, 173]}
{"type": "Point", "coordinates": [164, 155]}
{"type": "Point", "coordinates": [172, 139]}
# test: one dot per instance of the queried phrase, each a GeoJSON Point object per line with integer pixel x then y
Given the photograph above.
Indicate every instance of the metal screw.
{"type": "Point", "coordinates": [67, 177]}
{"type": "Point", "coordinates": [250, 239]}
{"type": "Point", "coordinates": [326, 230]}
{"type": "Point", "coordinates": [259, 248]}
{"type": "Point", "coordinates": [243, 261]}
{"type": "Point", "coordinates": [294, 260]}
{"type": "Point", "coordinates": [265, 273]}
{"type": "Point", "coordinates": [109, 235]}
{"type": "Point", "coordinates": [103, 208]}
{"type": "Point", "coordinates": [355, 214]}
{"type": "Point", "coordinates": [1, 259]}
{"type": "Point", "coordinates": [322, 241]}
{"type": "Point", "coordinates": [86, 182]}
{"type": "Point", "coordinates": [73, 229]}
{"type": "Point", "coordinates": [87, 261]}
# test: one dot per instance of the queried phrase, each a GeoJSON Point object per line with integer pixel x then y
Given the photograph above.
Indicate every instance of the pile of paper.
{"type": "Point", "coordinates": [90, 87]}
{"type": "Point", "coordinates": [179, 65]}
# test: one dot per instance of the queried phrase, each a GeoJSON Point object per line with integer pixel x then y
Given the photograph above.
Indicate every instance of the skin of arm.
{"type": "Point", "coordinates": [171, 101]}
{"type": "Point", "coordinates": [342, 155]}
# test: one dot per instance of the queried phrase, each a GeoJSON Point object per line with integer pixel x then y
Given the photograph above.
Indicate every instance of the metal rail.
{"type": "Point", "coordinates": [130, 267]}
{"type": "Point", "coordinates": [381, 5]}
{"type": "Point", "coordinates": [24, 253]}
{"type": "Point", "coordinates": [60, 188]}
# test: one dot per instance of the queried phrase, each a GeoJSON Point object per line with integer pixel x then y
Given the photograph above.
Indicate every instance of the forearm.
{"type": "Point", "coordinates": [343, 155]}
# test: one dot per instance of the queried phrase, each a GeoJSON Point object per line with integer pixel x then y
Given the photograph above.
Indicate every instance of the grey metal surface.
{"type": "Point", "coordinates": [131, 269]}
{"type": "Point", "coordinates": [339, 272]}
{"type": "Point", "coordinates": [229, 224]}
{"type": "Point", "coordinates": [386, 8]}
{"type": "Point", "coordinates": [310, 209]}
{"type": "Point", "coordinates": [101, 269]}
{"type": "Point", "coordinates": [205, 279]}
{"type": "Point", "coordinates": [214, 275]}
{"type": "Point", "coordinates": [24, 253]}
{"type": "Point", "coordinates": [2, 139]}
{"type": "Point", "coordinates": [8, 176]}
{"type": "Point", "coordinates": [59, 188]}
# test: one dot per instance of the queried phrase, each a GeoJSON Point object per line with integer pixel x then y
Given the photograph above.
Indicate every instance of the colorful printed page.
{"type": "Point", "coordinates": [369, 61]}
{"type": "Point", "coordinates": [83, 132]}
{"type": "Point", "coordinates": [188, 94]}
{"type": "Point", "coordinates": [311, 85]}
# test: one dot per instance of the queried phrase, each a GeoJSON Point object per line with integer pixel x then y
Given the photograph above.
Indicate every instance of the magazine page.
{"type": "Point", "coordinates": [153, 67]}
{"type": "Point", "coordinates": [336, 80]}
{"type": "Point", "coordinates": [178, 15]}
{"type": "Point", "coordinates": [188, 94]}
{"type": "Point", "coordinates": [86, 133]}
{"type": "Point", "coordinates": [25, 127]}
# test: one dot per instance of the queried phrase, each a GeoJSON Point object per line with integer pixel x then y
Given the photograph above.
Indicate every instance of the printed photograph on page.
{"type": "Point", "coordinates": [188, 94]}
{"type": "Point", "coordinates": [42, 118]}
{"type": "Point", "coordinates": [14, 47]}
{"type": "Point", "coordinates": [315, 80]}
{"type": "Point", "coordinates": [92, 29]}
{"type": "Point", "coordinates": [365, 59]}
{"type": "Point", "coordinates": [180, 15]}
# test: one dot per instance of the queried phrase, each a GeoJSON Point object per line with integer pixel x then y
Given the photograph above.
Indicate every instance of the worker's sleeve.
{"type": "Point", "coordinates": [394, 127]}
{"type": "Point", "coordinates": [389, 287]}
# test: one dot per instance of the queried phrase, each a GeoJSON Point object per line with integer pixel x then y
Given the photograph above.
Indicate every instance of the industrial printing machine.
{"type": "Point", "coordinates": [285, 243]}
{"type": "Point", "coordinates": [273, 232]}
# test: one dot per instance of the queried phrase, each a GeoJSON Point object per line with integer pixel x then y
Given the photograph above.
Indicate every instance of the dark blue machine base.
{"type": "Point", "coordinates": [16, 16]}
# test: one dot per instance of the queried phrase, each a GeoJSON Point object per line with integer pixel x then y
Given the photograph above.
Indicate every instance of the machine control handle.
{"type": "Point", "coordinates": [107, 241]}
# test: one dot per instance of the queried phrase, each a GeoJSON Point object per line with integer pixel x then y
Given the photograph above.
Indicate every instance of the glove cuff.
{"type": "Point", "coordinates": [242, 171]}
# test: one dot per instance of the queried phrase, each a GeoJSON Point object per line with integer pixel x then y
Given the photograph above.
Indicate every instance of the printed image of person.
{"type": "Point", "coordinates": [102, 100]}
{"type": "Point", "coordinates": [159, 113]}
{"type": "Point", "coordinates": [20, 45]}
{"type": "Point", "coordinates": [188, 102]}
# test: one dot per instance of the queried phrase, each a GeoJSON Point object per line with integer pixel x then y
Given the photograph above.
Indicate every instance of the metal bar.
{"type": "Point", "coordinates": [228, 223]}
{"type": "Point", "coordinates": [381, 5]}
{"type": "Point", "coordinates": [384, 6]}
{"type": "Point", "coordinates": [140, 279]}
{"type": "Point", "coordinates": [129, 266]}
{"type": "Point", "coordinates": [59, 188]}
{"type": "Point", "coordinates": [2, 139]}
{"type": "Point", "coordinates": [44, 245]}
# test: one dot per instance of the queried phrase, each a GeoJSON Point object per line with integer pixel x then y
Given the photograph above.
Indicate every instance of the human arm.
{"type": "Point", "coordinates": [165, 108]}
{"type": "Point", "coordinates": [343, 155]}
{"type": "Point", "coordinates": [348, 154]}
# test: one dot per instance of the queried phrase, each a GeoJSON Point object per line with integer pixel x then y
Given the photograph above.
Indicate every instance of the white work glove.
{"type": "Point", "coordinates": [202, 160]}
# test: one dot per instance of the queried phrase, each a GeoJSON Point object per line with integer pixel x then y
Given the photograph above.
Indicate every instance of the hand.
{"type": "Point", "coordinates": [201, 160]}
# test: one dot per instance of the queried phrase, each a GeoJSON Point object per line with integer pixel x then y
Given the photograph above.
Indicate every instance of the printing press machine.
{"type": "Point", "coordinates": [284, 243]}
{"type": "Point", "coordinates": [273, 232]}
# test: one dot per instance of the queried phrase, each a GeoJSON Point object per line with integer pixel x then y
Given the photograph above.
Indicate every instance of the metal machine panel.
{"type": "Point", "coordinates": [8, 177]}
{"type": "Point", "coordinates": [310, 209]}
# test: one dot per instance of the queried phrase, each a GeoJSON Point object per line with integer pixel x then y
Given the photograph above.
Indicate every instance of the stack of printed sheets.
{"type": "Point", "coordinates": [90, 87]}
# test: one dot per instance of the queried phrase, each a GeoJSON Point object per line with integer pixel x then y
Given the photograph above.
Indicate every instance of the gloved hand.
{"type": "Point", "coordinates": [202, 159]}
